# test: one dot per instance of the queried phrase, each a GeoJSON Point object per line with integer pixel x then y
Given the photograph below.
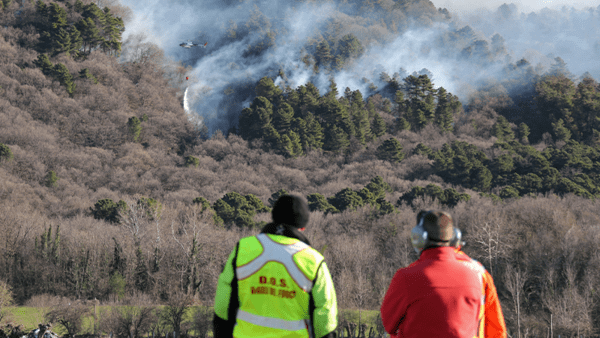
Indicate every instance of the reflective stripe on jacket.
{"type": "Point", "coordinates": [493, 325]}
{"type": "Point", "coordinates": [279, 281]}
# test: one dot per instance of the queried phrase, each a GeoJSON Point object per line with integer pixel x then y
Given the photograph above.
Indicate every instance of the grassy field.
{"type": "Point", "coordinates": [30, 317]}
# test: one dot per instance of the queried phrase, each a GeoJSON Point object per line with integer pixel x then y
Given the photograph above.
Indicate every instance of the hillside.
{"type": "Point", "coordinates": [109, 190]}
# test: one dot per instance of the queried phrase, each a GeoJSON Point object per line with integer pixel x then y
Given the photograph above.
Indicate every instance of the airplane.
{"type": "Point", "coordinates": [189, 44]}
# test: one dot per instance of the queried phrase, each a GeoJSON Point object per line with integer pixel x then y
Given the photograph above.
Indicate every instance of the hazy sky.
{"type": "Point", "coordinates": [524, 5]}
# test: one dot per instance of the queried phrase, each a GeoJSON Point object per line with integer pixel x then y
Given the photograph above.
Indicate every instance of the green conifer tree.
{"type": "Point", "coordinates": [390, 150]}
{"type": "Point", "coordinates": [135, 127]}
{"type": "Point", "coordinates": [378, 126]}
{"type": "Point", "coordinates": [62, 74]}
{"type": "Point", "coordinates": [5, 153]}
{"type": "Point", "coordinates": [336, 139]}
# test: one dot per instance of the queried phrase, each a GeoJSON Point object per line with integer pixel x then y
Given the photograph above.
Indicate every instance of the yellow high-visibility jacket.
{"type": "Point", "coordinates": [274, 286]}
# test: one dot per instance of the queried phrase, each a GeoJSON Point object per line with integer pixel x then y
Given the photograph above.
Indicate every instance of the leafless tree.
{"type": "Point", "coordinates": [69, 314]}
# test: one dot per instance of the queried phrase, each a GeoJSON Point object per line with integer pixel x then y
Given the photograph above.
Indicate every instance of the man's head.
{"type": "Point", "coordinates": [439, 227]}
{"type": "Point", "coordinates": [434, 229]}
{"type": "Point", "coordinates": [291, 210]}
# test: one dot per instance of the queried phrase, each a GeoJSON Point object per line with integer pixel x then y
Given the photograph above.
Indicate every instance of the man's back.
{"type": "Point", "coordinates": [436, 297]}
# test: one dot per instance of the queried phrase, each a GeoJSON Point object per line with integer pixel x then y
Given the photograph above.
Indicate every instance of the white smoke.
{"type": "Point", "coordinates": [226, 76]}
{"type": "Point", "coordinates": [186, 105]}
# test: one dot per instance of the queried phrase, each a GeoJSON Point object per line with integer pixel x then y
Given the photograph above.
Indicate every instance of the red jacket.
{"type": "Point", "coordinates": [494, 326]}
{"type": "Point", "coordinates": [438, 296]}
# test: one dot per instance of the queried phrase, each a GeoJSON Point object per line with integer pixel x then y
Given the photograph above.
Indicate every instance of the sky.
{"type": "Point", "coordinates": [462, 6]}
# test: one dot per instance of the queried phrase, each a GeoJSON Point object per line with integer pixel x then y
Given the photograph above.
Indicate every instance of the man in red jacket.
{"type": "Point", "coordinates": [438, 296]}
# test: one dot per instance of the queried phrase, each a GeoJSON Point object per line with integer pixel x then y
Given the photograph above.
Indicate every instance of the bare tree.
{"type": "Point", "coordinates": [5, 299]}
{"type": "Point", "coordinates": [514, 281]}
{"type": "Point", "coordinates": [174, 312]}
{"type": "Point", "coordinates": [69, 315]}
{"type": "Point", "coordinates": [129, 321]}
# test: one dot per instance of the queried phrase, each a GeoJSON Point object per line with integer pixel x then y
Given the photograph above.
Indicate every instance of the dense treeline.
{"type": "Point", "coordinates": [107, 191]}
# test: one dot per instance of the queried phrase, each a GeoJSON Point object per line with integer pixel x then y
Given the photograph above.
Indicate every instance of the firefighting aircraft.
{"type": "Point", "coordinates": [189, 44]}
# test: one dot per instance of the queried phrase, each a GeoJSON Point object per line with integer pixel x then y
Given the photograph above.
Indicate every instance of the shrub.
{"type": "Point", "coordinates": [5, 153]}
{"type": "Point", "coordinates": [191, 161]}
{"type": "Point", "coordinates": [51, 179]}
{"type": "Point", "coordinates": [106, 209]}
{"type": "Point", "coordinates": [135, 127]}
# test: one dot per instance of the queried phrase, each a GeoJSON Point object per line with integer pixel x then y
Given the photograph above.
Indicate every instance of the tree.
{"type": "Point", "coordinates": [276, 195]}
{"type": "Point", "coordinates": [6, 298]}
{"type": "Point", "coordinates": [135, 127]}
{"type": "Point", "coordinates": [560, 132]}
{"type": "Point", "coordinates": [336, 139]}
{"type": "Point", "coordinates": [509, 192]}
{"type": "Point", "coordinates": [5, 153]}
{"type": "Point", "coordinates": [323, 55]}
{"type": "Point", "coordinates": [524, 133]}
{"type": "Point", "coordinates": [282, 118]}
{"type": "Point", "coordinates": [390, 150]}
{"type": "Point", "coordinates": [44, 63]}
{"type": "Point", "coordinates": [350, 47]}
{"type": "Point", "coordinates": [318, 202]}
{"type": "Point", "coordinates": [69, 315]}
{"type": "Point", "coordinates": [62, 74]}
{"type": "Point", "coordinates": [175, 311]}
{"type": "Point", "coordinates": [378, 126]}
{"type": "Point", "coordinates": [346, 199]}
{"type": "Point", "coordinates": [191, 161]}
{"type": "Point", "coordinates": [51, 179]}
{"type": "Point", "coordinates": [141, 276]}
{"type": "Point", "coordinates": [502, 130]}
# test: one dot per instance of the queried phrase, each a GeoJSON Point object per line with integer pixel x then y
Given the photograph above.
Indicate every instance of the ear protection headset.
{"type": "Point", "coordinates": [419, 237]}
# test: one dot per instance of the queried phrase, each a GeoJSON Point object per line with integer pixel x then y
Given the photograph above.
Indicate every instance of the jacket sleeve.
{"type": "Point", "coordinates": [324, 310]}
{"type": "Point", "coordinates": [393, 307]}
{"type": "Point", "coordinates": [494, 319]}
{"type": "Point", "coordinates": [226, 299]}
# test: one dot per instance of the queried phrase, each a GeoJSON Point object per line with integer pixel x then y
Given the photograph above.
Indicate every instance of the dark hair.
{"type": "Point", "coordinates": [291, 210]}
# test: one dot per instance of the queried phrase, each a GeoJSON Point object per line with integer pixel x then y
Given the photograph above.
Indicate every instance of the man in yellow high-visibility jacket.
{"type": "Point", "coordinates": [274, 284]}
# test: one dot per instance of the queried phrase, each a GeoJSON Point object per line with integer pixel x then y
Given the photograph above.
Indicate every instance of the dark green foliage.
{"type": "Point", "coordinates": [402, 124]}
{"type": "Point", "coordinates": [502, 130]}
{"type": "Point", "coordinates": [85, 73]}
{"type": "Point", "coordinates": [509, 192]}
{"type": "Point", "coordinates": [385, 207]}
{"type": "Point", "coordinates": [378, 126]}
{"type": "Point", "coordinates": [256, 120]}
{"type": "Point", "coordinates": [449, 197]}
{"type": "Point", "coordinates": [135, 127]}
{"type": "Point", "coordinates": [318, 202]}
{"type": "Point", "coordinates": [336, 139]}
{"type": "Point", "coordinates": [236, 209]}
{"type": "Point", "coordinates": [424, 150]}
{"type": "Point", "coordinates": [51, 179]}
{"type": "Point", "coordinates": [560, 131]}
{"type": "Point", "coordinates": [5, 153]}
{"type": "Point", "coordinates": [291, 145]}
{"type": "Point", "coordinates": [390, 150]}
{"type": "Point", "coordinates": [141, 275]}
{"type": "Point", "coordinates": [106, 209]}
{"type": "Point", "coordinates": [191, 161]}
{"type": "Point", "coordinates": [48, 248]}
{"type": "Point", "coordinates": [267, 89]}
{"type": "Point", "coordinates": [62, 74]}
{"type": "Point", "coordinates": [350, 47]}
{"type": "Point", "coordinates": [524, 133]}
{"type": "Point", "coordinates": [44, 63]}
{"type": "Point", "coordinates": [378, 187]}
{"type": "Point", "coordinates": [282, 118]}
{"type": "Point", "coordinates": [347, 199]}
{"type": "Point", "coordinates": [151, 206]}
{"type": "Point", "coordinates": [447, 106]}
{"type": "Point", "coordinates": [323, 55]}
{"type": "Point", "coordinates": [203, 202]}
{"type": "Point", "coordinates": [463, 164]}
{"type": "Point", "coordinates": [275, 196]}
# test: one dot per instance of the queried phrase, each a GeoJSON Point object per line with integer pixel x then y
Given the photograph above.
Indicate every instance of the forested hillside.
{"type": "Point", "coordinates": [110, 190]}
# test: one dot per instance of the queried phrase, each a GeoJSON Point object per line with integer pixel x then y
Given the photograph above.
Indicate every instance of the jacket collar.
{"type": "Point", "coordinates": [438, 253]}
{"type": "Point", "coordinates": [284, 230]}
